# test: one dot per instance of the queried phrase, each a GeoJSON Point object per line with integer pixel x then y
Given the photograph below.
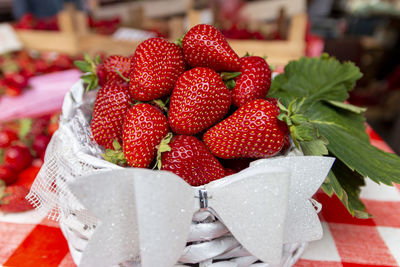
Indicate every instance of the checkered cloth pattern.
{"type": "Point", "coordinates": [31, 241]}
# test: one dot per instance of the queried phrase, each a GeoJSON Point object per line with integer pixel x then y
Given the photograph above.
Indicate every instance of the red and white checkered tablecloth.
{"type": "Point", "coordinates": [31, 241]}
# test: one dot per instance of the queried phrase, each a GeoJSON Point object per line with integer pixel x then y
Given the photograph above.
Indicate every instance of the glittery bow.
{"type": "Point", "coordinates": [146, 215]}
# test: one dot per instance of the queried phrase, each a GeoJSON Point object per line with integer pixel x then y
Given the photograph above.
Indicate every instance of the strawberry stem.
{"type": "Point", "coordinates": [161, 148]}
{"type": "Point", "coordinates": [160, 104]}
{"type": "Point", "coordinates": [229, 75]}
{"type": "Point", "coordinates": [122, 76]}
{"type": "Point", "coordinates": [179, 41]}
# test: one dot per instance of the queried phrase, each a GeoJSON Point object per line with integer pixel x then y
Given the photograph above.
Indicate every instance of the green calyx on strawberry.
{"type": "Point", "coordinates": [300, 127]}
{"type": "Point", "coordinates": [113, 68]}
{"type": "Point", "coordinates": [115, 155]}
{"type": "Point", "coordinates": [89, 68]}
{"type": "Point", "coordinates": [161, 148]}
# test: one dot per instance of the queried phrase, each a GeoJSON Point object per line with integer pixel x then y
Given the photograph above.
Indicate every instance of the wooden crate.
{"type": "Point", "coordinates": [74, 38]}
{"type": "Point", "coordinates": [278, 52]}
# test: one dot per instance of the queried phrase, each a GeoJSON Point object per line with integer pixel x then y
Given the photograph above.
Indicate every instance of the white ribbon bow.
{"type": "Point", "coordinates": [146, 215]}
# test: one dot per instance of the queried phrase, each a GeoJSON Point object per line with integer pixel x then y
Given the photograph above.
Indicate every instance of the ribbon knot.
{"type": "Point", "coordinates": [203, 198]}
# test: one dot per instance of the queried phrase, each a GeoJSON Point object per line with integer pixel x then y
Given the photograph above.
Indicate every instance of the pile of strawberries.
{"type": "Point", "coordinates": [100, 26]}
{"type": "Point", "coordinates": [22, 147]}
{"type": "Point", "coordinates": [16, 69]}
{"type": "Point", "coordinates": [194, 107]}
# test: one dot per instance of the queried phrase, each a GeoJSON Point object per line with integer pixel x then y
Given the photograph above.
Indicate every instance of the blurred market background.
{"type": "Point", "coordinates": [39, 39]}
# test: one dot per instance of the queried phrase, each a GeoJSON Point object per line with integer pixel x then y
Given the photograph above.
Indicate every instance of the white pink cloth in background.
{"type": "Point", "coordinates": [45, 95]}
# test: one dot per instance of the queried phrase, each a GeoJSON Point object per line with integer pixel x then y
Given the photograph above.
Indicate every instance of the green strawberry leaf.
{"type": "Point", "coordinates": [346, 106]}
{"type": "Point", "coordinates": [97, 60]}
{"type": "Point", "coordinates": [315, 79]}
{"type": "Point", "coordinates": [25, 126]}
{"type": "Point", "coordinates": [340, 127]}
{"type": "Point", "coordinates": [350, 183]}
{"type": "Point", "coordinates": [83, 65]}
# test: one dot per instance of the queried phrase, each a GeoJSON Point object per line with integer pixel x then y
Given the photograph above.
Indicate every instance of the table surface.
{"type": "Point", "coordinates": [28, 240]}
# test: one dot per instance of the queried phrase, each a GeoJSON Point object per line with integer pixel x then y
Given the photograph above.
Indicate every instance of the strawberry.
{"type": "Point", "coordinates": [156, 65]}
{"type": "Point", "coordinates": [41, 65]}
{"type": "Point", "coordinates": [253, 82]}
{"type": "Point", "coordinates": [17, 157]}
{"type": "Point", "coordinates": [16, 79]}
{"type": "Point", "coordinates": [114, 64]}
{"type": "Point", "coordinates": [7, 136]}
{"type": "Point", "coordinates": [204, 46]}
{"type": "Point", "coordinates": [199, 100]}
{"type": "Point", "coordinates": [12, 199]}
{"type": "Point", "coordinates": [229, 171]}
{"type": "Point", "coordinates": [144, 128]}
{"type": "Point", "coordinates": [52, 127]}
{"type": "Point", "coordinates": [253, 131]}
{"type": "Point", "coordinates": [40, 143]}
{"type": "Point", "coordinates": [191, 160]}
{"type": "Point", "coordinates": [237, 164]}
{"type": "Point", "coordinates": [112, 102]}
{"type": "Point", "coordinates": [110, 70]}
{"type": "Point", "coordinates": [27, 176]}
{"type": "Point", "coordinates": [7, 174]}
{"type": "Point", "coordinates": [12, 90]}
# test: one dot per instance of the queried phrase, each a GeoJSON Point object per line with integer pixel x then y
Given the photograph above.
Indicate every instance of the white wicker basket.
{"type": "Point", "coordinates": [71, 154]}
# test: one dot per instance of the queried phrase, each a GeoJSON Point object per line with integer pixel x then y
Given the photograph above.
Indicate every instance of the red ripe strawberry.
{"type": "Point", "coordinates": [156, 65]}
{"type": "Point", "coordinates": [144, 128]}
{"type": "Point", "coordinates": [17, 157]}
{"type": "Point", "coordinates": [191, 160]}
{"type": "Point", "coordinates": [253, 82]}
{"type": "Point", "coordinates": [253, 131]}
{"type": "Point", "coordinates": [7, 174]}
{"type": "Point", "coordinates": [52, 127]}
{"type": "Point", "coordinates": [12, 90]}
{"type": "Point", "coordinates": [205, 46]}
{"type": "Point", "coordinates": [112, 102]}
{"type": "Point", "coordinates": [7, 137]}
{"type": "Point", "coordinates": [114, 64]}
{"type": "Point", "coordinates": [40, 143]}
{"type": "Point", "coordinates": [27, 176]}
{"type": "Point", "coordinates": [41, 65]}
{"type": "Point", "coordinates": [229, 171]}
{"type": "Point", "coordinates": [199, 100]}
{"type": "Point", "coordinates": [16, 79]}
{"type": "Point", "coordinates": [12, 199]}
